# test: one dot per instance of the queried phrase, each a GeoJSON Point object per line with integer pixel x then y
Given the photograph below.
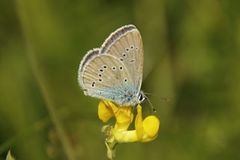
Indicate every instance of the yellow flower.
{"type": "Point", "coordinates": [145, 129]}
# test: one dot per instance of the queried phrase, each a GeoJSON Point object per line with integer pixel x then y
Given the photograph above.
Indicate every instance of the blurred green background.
{"type": "Point", "coordinates": [192, 58]}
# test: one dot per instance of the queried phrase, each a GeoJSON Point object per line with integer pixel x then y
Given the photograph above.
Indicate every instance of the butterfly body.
{"type": "Point", "coordinates": [114, 71]}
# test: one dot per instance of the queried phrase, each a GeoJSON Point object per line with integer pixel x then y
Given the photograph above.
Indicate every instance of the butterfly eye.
{"type": "Point", "coordinates": [127, 49]}
{"type": "Point", "coordinates": [132, 47]}
{"type": "Point", "coordinates": [141, 97]}
{"type": "Point", "coordinates": [120, 67]}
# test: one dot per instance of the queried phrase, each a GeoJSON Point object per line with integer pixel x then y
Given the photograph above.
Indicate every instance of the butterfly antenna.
{"type": "Point", "coordinates": [147, 93]}
{"type": "Point", "coordinates": [153, 108]}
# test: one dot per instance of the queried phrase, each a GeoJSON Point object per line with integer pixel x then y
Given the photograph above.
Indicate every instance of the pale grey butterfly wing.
{"type": "Point", "coordinates": [126, 45]}
{"type": "Point", "coordinates": [114, 71]}
{"type": "Point", "coordinates": [105, 77]}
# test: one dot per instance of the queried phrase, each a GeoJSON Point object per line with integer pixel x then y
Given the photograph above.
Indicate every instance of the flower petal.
{"type": "Point", "coordinates": [125, 136]}
{"type": "Point", "coordinates": [104, 112]}
{"type": "Point", "coordinates": [139, 122]}
{"type": "Point", "coordinates": [151, 126]}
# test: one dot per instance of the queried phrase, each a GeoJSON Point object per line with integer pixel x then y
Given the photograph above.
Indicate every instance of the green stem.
{"type": "Point", "coordinates": [25, 21]}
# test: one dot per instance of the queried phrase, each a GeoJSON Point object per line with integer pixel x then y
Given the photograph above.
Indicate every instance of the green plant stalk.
{"type": "Point", "coordinates": [23, 16]}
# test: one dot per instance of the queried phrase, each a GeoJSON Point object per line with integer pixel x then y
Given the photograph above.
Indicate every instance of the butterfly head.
{"type": "Point", "coordinates": [141, 97]}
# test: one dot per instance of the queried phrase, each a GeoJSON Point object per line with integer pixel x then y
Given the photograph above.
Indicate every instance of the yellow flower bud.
{"type": "Point", "coordinates": [151, 125]}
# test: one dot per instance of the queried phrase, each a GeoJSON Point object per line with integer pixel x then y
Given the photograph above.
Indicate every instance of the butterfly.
{"type": "Point", "coordinates": [114, 71]}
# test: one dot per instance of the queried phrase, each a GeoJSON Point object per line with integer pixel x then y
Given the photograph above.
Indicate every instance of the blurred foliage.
{"type": "Point", "coordinates": [191, 58]}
